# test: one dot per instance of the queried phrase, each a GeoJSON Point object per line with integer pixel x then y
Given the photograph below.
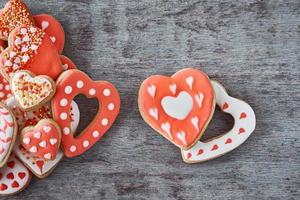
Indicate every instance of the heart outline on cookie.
{"type": "Point", "coordinates": [244, 125]}
{"type": "Point", "coordinates": [70, 84]}
{"type": "Point", "coordinates": [31, 91]}
{"type": "Point", "coordinates": [183, 87]}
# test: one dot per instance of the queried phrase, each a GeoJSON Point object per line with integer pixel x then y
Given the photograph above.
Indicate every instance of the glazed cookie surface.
{"type": "Point", "coordinates": [70, 84]}
{"type": "Point", "coordinates": [178, 107]}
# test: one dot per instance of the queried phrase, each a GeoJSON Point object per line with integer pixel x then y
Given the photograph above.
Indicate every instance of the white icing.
{"type": "Point", "coordinates": [104, 122]}
{"type": "Point", "coordinates": [173, 88]}
{"type": "Point", "coordinates": [75, 115]}
{"type": "Point", "coordinates": [190, 81]}
{"type": "Point", "coordinates": [167, 128]}
{"type": "Point", "coordinates": [229, 141]}
{"type": "Point", "coordinates": [178, 107]}
{"type": "Point", "coordinates": [106, 92]}
{"type": "Point", "coordinates": [195, 122]}
{"type": "Point", "coordinates": [199, 99]}
{"type": "Point", "coordinates": [181, 136]}
{"type": "Point", "coordinates": [154, 113]}
{"type": "Point", "coordinates": [151, 90]}
{"type": "Point", "coordinates": [45, 25]}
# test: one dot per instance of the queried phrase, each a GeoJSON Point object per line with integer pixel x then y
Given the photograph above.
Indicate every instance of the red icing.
{"type": "Point", "coordinates": [241, 130]}
{"type": "Point", "coordinates": [3, 187]}
{"type": "Point", "coordinates": [15, 184]}
{"type": "Point", "coordinates": [5, 91]}
{"type": "Point", "coordinates": [3, 45]}
{"type": "Point", "coordinates": [243, 115]}
{"type": "Point", "coordinates": [228, 141]}
{"type": "Point", "coordinates": [215, 147]}
{"type": "Point", "coordinates": [21, 175]}
{"type": "Point", "coordinates": [11, 164]}
{"type": "Point", "coordinates": [156, 88]}
{"type": "Point", "coordinates": [40, 164]}
{"type": "Point", "coordinates": [44, 137]}
{"type": "Point", "coordinates": [225, 106]}
{"type": "Point", "coordinates": [102, 121]}
{"type": "Point", "coordinates": [41, 57]}
{"type": "Point", "coordinates": [10, 175]}
{"type": "Point", "coordinates": [200, 152]}
{"type": "Point", "coordinates": [67, 63]}
{"type": "Point", "coordinates": [14, 14]}
{"type": "Point", "coordinates": [52, 28]}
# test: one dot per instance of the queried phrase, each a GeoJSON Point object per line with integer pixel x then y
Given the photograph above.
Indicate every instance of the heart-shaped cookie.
{"type": "Point", "coordinates": [8, 133]}
{"type": "Point", "coordinates": [178, 107]}
{"type": "Point", "coordinates": [244, 125]}
{"type": "Point", "coordinates": [42, 140]}
{"type": "Point", "coordinates": [31, 91]}
{"type": "Point", "coordinates": [14, 177]}
{"type": "Point", "coordinates": [74, 82]}
{"type": "Point", "coordinates": [52, 28]}
{"type": "Point", "coordinates": [14, 14]}
{"type": "Point", "coordinates": [31, 49]}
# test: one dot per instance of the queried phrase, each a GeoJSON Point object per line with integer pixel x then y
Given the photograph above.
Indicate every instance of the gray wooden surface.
{"type": "Point", "coordinates": [252, 47]}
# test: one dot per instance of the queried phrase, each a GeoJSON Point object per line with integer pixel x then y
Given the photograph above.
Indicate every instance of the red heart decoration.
{"type": "Point", "coordinates": [15, 184]}
{"type": "Point", "coordinates": [21, 175]}
{"type": "Point", "coordinates": [3, 187]}
{"type": "Point", "coordinates": [11, 164]}
{"type": "Point", "coordinates": [52, 28]}
{"type": "Point", "coordinates": [14, 14]}
{"type": "Point", "coordinates": [10, 176]}
{"type": "Point", "coordinates": [178, 107]}
{"type": "Point", "coordinates": [70, 84]}
{"type": "Point", "coordinates": [42, 140]}
{"type": "Point", "coordinates": [243, 115]}
{"type": "Point", "coordinates": [31, 49]}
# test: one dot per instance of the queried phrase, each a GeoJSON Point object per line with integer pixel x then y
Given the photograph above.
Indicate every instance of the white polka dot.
{"type": "Point", "coordinates": [79, 84]}
{"type": "Point", "coordinates": [111, 106]}
{"type": "Point", "coordinates": [7, 87]}
{"type": "Point", "coordinates": [106, 92]}
{"type": "Point", "coordinates": [96, 134]}
{"type": "Point", "coordinates": [63, 102]}
{"type": "Point", "coordinates": [2, 94]}
{"type": "Point", "coordinates": [92, 91]}
{"type": "Point", "coordinates": [63, 116]}
{"type": "Point", "coordinates": [104, 121]}
{"type": "Point", "coordinates": [66, 131]}
{"type": "Point", "coordinates": [73, 148]}
{"type": "Point", "coordinates": [85, 143]}
{"type": "Point", "coordinates": [68, 89]}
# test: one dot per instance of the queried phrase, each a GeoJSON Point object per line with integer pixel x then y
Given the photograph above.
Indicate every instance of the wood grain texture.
{"type": "Point", "coordinates": [252, 47]}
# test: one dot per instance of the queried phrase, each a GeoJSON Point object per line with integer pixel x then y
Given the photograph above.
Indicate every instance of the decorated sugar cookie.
{"type": "Point", "coordinates": [5, 92]}
{"type": "Point", "coordinates": [74, 82]}
{"type": "Point", "coordinates": [38, 166]}
{"type": "Point", "coordinates": [8, 133]}
{"type": "Point", "coordinates": [178, 107]}
{"type": "Point", "coordinates": [14, 14]}
{"type": "Point", "coordinates": [52, 28]}
{"type": "Point", "coordinates": [67, 63]}
{"type": "Point", "coordinates": [14, 177]}
{"type": "Point", "coordinates": [30, 48]}
{"type": "Point", "coordinates": [42, 140]}
{"type": "Point", "coordinates": [244, 125]}
{"type": "Point", "coordinates": [31, 91]}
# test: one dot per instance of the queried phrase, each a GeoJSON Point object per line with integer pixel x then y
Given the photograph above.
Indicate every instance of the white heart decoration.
{"type": "Point", "coordinates": [178, 107]}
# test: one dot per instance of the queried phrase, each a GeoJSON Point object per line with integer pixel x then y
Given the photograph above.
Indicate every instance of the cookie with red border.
{"type": "Point", "coordinates": [42, 140]}
{"type": "Point", "coordinates": [30, 48]}
{"type": "Point", "coordinates": [14, 177]}
{"type": "Point", "coordinates": [8, 133]}
{"type": "Point", "coordinates": [69, 85]}
{"type": "Point", "coordinates": [31, 91]}
{"type": "Point", "coordinates": [52, 28]}
{"type": "Point", "coordinates": [178, 107]}
{"type": "Point", "coordinates": [14, 14]}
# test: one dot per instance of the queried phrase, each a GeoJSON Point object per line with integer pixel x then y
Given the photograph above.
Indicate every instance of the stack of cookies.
{"type": "Point", "coordinates": [38, 117]}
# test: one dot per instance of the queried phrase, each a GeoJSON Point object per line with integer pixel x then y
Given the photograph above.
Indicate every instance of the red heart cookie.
{"type": "Point", "coordinates": [29, 91]}
{"type": "Point", "coordinates": [52, 28]}
{"type": "Point", "coordinates": [42, 140]}
{"type": "Point", "coordinates": [178, 107]}
{"type": "Point", "coordinates": [74, 82]}
{"type": "Point", "coordinates": [8, 133]}
{"type": "Point", "coordinates": [30, 49]}
{"type": "Point", "coordinates": [14, 177]}
{"type": "Point", "coordinates": [14, 14]}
